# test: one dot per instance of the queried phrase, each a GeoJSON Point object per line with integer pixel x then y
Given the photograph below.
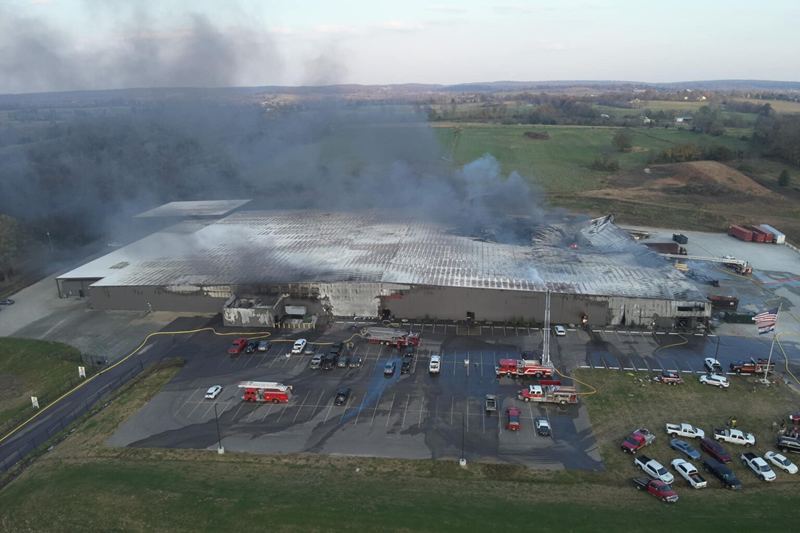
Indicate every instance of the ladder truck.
{"type": "Point", "coordinates": [390, 336]}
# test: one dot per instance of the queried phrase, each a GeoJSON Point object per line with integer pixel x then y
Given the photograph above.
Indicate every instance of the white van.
{"type": "Point", "coordinates": [435, 365]}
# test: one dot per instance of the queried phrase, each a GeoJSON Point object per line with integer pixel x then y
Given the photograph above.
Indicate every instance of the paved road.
{"type": "Point", "coordinates": [49, 420]}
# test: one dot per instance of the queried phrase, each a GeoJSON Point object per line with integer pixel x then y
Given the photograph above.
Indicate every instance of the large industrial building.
{"type": "Point", "coordinates": [251, 265]}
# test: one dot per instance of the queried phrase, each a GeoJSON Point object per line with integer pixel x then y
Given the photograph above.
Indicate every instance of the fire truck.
{"type": "Point", "coordinates": [528, 367]}
{"type": "Point", "coordinates": [265, 391]}
{"type": "Point", "coordinates": [549, 391]}
{"type": "Point", "coordinates": [753, 366]}
{"type": "Point", "coordinates": [391, 336]}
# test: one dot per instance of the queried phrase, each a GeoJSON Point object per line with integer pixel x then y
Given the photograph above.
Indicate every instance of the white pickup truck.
{"type": "Point", "coordinates": [685, 430]}
{"type": "Point", "coordinates": [654, 468]}
{"type": "Point", "coordinates": [689, 472]}
{"type": "Point", "coordinates": [759, 466]}
{"type": "Point", "coordinates": [735, 436]}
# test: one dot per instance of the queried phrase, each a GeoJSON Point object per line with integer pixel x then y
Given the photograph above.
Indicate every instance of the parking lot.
{"type": "Point", "coordinates": [416, 415]}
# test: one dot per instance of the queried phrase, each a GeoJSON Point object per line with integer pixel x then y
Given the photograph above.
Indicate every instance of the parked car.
{"type": "Point", "coordinates": [405, 366]}
{"type": "Point", "coordinates": [735, 436]}
{"type": "Point", "coordinates": [639, 439]}
{"type": "Point", "coordinates": [656, 488]}
{"type": "Point", "coordinates": [490, 403]}
{"type": "Point", "coordinates": [344, 362]}
{"type": "Point", "coordinates": [337, 348]}
{"type": "Point", "coordinates": [329, 362]}
{"type": "Point", "coordinates": [299, 346]}
{"type": "Point", "coordinates": [513, 419]}
{"type": "Point", "coordinates": [341, 396]}
{"type": "Point", "coordinates": [685, 430]}
{"type": "Point", "coordinates": [7, 301]}
{"type": "Point", "coordinates": [389, 368]}
{"type": "Point", "coordinates": [724, 474]}
{"type": "Point", "coordinates": [685, 448]}
{"type": "Point", "coordinates": [689, 472]}
{"type": "Point", "coordinates": [316, 361]}
{"type": "Point", "coordinates": [759, 466]}
{"type": "Point", "coordinates": [715, 381]}
{"type": "Point", "coordinates": [355, 362]}
{"type": "Point", "coordinates": [715, 450]}
{"type": "Point", "coordinates": [263, 346]}
{"type": "Point", "coordinates": [238, 346]}
{"type": "Point", "coordinates": [542, 426]}
{"type": "Point", "coordinates": [788, 444]}
{"type": "Point", "coordinates": [781, 462]}
{"type": "Point", "coordinates": [251, 347]}
{"type": "Point", "coordinates": [410, 351]}
{"type": "Point", "coordinates": [653, 468]}
{"type": "Point", "coordinates": [794, 418]}
{"type": "Point", "coordinates": [559, 331]}
{"type": "Point", "coordinates": [712, 365]}
{"type": "Point", "coordinates": [435, 364]}
{"type": "Point", "coordinates": [213, 392]}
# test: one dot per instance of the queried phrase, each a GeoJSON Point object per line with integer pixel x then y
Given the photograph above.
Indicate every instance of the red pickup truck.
{"type": "Point", "coordinates": [638, 440]}
{"type": "Point", "coordinates": [657, 488]}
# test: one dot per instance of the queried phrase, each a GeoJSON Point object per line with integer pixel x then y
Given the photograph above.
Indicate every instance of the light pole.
{"type": "Point", "coordinates": [220, 449]}
{"type": "Point", "coordinates": [51, 242]}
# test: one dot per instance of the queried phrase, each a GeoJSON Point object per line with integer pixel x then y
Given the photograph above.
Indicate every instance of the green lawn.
{"type": "Point", "coordinates": [561, 163]}
{"type": "Point", "coordinates": [32, 368]}
{"type": "Point", "coordinates": [90, 487]}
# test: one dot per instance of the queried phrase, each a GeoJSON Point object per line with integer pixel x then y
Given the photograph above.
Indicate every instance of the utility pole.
{"type": "Point", "coordinates": [220, 449]}
{"type": "Point", "coordinates": [765, 381]}
{"type": "Point", "coordinates": [51, 242]}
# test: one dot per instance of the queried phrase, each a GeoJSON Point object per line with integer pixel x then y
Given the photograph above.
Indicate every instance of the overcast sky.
{"type": "Point", "coordinates": [93, 44]}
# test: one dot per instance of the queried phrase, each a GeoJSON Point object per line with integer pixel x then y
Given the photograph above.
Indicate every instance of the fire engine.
{"type": "Point", "coordinates": [391, 337]}
{"type": "Point", "coordinates": [265, 391]}
{"type": "Point", "coordinates": [549, 391]}
{"type": "Point", "coordinates": [529, 367]}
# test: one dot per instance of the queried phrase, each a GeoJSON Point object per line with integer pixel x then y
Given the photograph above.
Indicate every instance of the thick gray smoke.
{"type": "Point", "coordinates": [87, 172]}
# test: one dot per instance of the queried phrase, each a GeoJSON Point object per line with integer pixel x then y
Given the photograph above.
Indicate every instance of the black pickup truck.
{"type": "Point", "coordinates": [724, 474]}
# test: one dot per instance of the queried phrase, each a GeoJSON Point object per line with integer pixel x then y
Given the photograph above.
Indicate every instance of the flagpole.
{"type": "Point", "coordinates": [772, 347]}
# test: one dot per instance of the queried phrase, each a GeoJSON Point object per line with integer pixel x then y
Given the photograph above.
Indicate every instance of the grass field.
{"type": "Point", "coordinates": [32, 368]}
{"type": "Point", "coordinates": [780, 106]}
{"type": "Point", "coordinates": [90, 487]}
{"type": "Point", "coordinates": [561, 164]}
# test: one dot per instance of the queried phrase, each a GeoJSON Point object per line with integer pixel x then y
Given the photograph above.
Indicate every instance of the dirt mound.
{"type": "Point", "coordinates": [537, 135]}
{"type": "Point", "coordinates": [704, 177]}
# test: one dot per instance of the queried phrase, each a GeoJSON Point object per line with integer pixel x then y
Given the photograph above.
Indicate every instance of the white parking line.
{"type": "Point", "coordinates": [187, 400]}
{"type": "Point", "coordinates": [360, 409]}
{"type": "Point", "coordinates": [268, 411]}
{"type": "Point", "coordinates": [408, 399]}
{"type": "Point", "coordinates": [375, 409]}
{"type": "Point", "coordinates": [193, 410]}
{"type": "Point", "coordinates": [344, 412]}
{"type": "Point", "coordinates": [329, 412]}
{"type": "Point", "coordinates": [390, 411]}
{"type": "Point", "coordinates": [301, 407]}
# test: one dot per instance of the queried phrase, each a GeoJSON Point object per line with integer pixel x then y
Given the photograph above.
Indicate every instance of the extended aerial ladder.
{"type": "Point", "coordinates": [742, 267]}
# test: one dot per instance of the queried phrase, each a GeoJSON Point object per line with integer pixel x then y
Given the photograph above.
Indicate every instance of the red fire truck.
{"type": "Point", "coordinates": [391, 337]}
{"type": "Point", "coordinates": [549, 391]}
{"type": "Point", "coordinates": [528, 367]}
{"type": "Point", "coordinates": [265, 391]}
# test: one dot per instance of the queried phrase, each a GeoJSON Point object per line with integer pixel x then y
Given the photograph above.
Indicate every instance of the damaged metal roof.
{"type": "Point", "coordinates": [375, 246]}
{"type": "Point", "coordinates": [203, 208]}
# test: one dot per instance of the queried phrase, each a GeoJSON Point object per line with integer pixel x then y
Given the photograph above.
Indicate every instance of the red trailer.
{"type": "Point", "coordinates": [740, 233]}
{"type": "Point", "coordinates": [760, 235]}
{"type": "Point", "coordinates": [265, 391]}
{"type": "Point", "coordinates": [391, 337]}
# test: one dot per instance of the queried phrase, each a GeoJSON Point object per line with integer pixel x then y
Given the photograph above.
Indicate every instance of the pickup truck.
{"type": "Point", "coordinates": [724, 474]}
{"type": "Point", "coordinates": [735, 436]}
{"type": "Point", "coordinates": [759, 466]}
{"type": "Point", "coordinates": [654, 468]}
{"type": "Point", "coordinates": [638, 440]}
{"type": "Point", "coordinates": [685, 430]}
{"type": "Point", "coordinates": [688, 471]}
{"type": "Point", "coordinates": [491, 403]}
{"type": "Point", "coordinates": [656, 488]}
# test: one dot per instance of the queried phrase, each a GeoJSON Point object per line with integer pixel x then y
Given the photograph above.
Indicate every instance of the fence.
{"type": "Point", "coordinates": [52, 428]}
{"type": "Point", "coordinates": [45, 400]}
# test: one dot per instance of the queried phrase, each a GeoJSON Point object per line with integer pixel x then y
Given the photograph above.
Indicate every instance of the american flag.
{"type": "Point", "coordinates": [766, 328]}
{"type": "Point", "coordinates": [770, 315]}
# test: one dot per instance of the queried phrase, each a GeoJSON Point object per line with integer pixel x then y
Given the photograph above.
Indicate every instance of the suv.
{"type": "Point", "coordinates": [251, 347]}
{"type": "Point", "coordinates": [724, 474]}
{"type": "Point", "coordinates": [341, 396]}
{"type": "Point", "coordinates": [337, 348]}
{"type": "Point", "coordinates": [715, 450]}
{"type": "Point", "coordinates": [355, 362]}
{"type": "Point", "coordinates": [788, 444]}
{"type": "Point", "coordinates": [410, 351]}
{"type": "Point", "coordinates": [405, 366]}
